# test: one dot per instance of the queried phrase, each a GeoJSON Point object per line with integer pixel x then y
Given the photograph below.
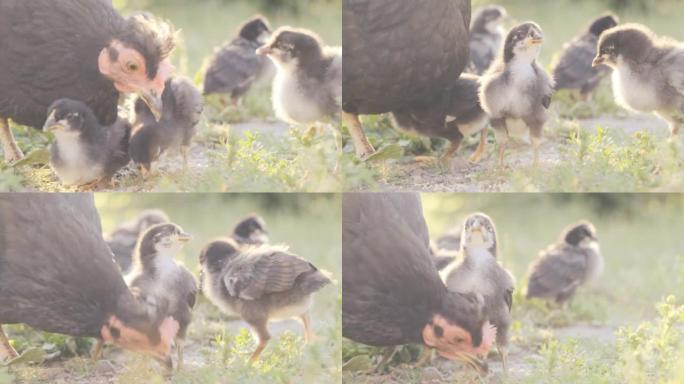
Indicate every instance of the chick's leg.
{"type": "Point", "coordinates": [6, 350]}
{"type": "Point", "coordinates": [97, 350]}
{"type": "Point", "coordinates": [361, 144]}
{"type": "Point", "coordinates": [477, 155]}
{"type": "Point", "coordinates": [261, 329]}
{"type": "Point", "coordinates": [387, 356]}
{"type": "Point", "coordinates": [425, 357]}
{"type": "Point", "coordinates": [179, 350]}
{"type": "Point", "coordinates": [501, 134]}
{"type": "Point", "coordinates": [9, 145]}
{"type": "Point", "coordinates": [536, 132]}
{"type": "Point", "coordinates": [308, 333]}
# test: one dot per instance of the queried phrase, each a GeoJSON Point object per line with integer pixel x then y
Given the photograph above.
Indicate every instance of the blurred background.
{"type": "Point", "coordinates": [640, 237]}
{"type": "Point", "coordinates": [561, 20]}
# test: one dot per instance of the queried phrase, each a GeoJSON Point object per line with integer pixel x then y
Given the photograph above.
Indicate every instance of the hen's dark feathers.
{"type": "Point", "coordinates": [401, 52]}
{"type": "Point", "coordinates": [154, 38]}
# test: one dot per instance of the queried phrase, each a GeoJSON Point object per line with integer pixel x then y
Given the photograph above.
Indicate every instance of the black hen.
{"type": "Point", "coordinates": [399, 55]}
{"type": "Point", "coordinates": [80, 49]}
{"type": "Point", "coordinates": [391, 291]}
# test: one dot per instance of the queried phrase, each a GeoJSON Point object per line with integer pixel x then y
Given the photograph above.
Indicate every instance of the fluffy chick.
{"type": "Point", "coordinates": [250, 231]}
{"type": "Point", "coordinates": [453, 116]}
{"type": "Point", "coordinates": [260, 284]}
{"type": "Point", "coordinates": [123, 239]}
{"type": "Point", "coordinates": [182, 109]}
{"type": "Point", "coordinates": [563, 267]}
{"type": "Point", "coordinates": [85, 152]}
{"type": "Point", "coordinates": [235, 66]}
{"type": "Point", "coordinates": [648, 71]}
{"type": "Point", "coordinates": [486, 36]}
{"type": "Point", "coordinates": [516, 92]}
{"type": "Point", "coordinates": [156, 277]}
{"type": "Point", "coordinates": [308, 84]}
{"type": "Point", "coordinates": [480, 272]}
{"type": "Point", "coordinates": [574, 68]}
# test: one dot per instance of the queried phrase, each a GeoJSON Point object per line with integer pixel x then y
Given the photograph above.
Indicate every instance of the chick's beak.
{"type": "Point", "coordinates": [599, 60]}
{"type": "Point", "coordinates": [536, 41]}
{"type": "Point", "coordinates": [51, 124]}
{"type": "Point", "coordinates": [184, 237]}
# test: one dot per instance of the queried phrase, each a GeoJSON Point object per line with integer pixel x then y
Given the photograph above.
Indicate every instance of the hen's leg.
{"type": "Point", "coordinates": [361, 144]}
{"type": "Point", "coordinates": [6, 350]}
{"type": "Point", "coordinates": [9, 146]}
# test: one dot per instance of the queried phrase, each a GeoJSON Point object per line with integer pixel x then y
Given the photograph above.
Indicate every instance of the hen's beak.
{"type": "Point", "coordinates": [599, 60]}
{"type": "Point", "coordinates": [153, 101]}
{"type": "Point", "coordinates": [477, 363]}
{"type": "Point", "coordinates": [264, 51]}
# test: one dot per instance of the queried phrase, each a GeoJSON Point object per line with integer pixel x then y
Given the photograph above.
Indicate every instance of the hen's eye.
{"type": "Point", "coordinates": [132, 66]}
{"type": "Point", "coordinates": [458, 340]}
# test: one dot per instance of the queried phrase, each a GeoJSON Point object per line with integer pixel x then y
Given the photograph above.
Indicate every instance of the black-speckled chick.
{"type": "Point", "coordinates": [85, 152]}
{"type": "Point", "coordinates": [308, 84]}
{"type": "Point", "coordinates": [123, 239]}
{"type": "Point", "coordinates": [574, 68]}
{"type": "Point", "coordinates": [175, 129]}
{"type": "Point", "coordinates": [516, 91]}
{"type": "Point", "coordinates": [480, 272]}
{"type": "Point", "coordinates": [486, 37]}
{"type": "Point", "coordinates": [563, 267]}
{"type": "Point", "coordinates": [156, 277]}
{"type": "Point", "coordinates": [251, 231]}
{"type": "Point", "coordinates": [648, 71]}
{"type": "Point", "coordinates": [260, 284]}
{"type": "Point", "coordinates": [235, 66]}
{"type": "Point", "coordinates": [453, 116]}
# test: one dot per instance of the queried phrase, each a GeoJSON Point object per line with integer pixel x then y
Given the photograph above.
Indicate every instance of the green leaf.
{"type": "Point", "coordinates": [37, 157]}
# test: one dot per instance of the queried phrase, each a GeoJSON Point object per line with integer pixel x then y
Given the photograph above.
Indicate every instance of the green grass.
{"type": "Point", "coordinates": [217, 167]}
{"type": "Point", "coordinates": [624, 328]}
{"type": "Point", "coordinates": [217, 347]}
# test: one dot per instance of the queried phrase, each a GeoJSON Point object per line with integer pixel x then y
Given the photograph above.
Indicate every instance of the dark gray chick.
{"type": "Point", "coordinates": [563, 267]}
{"type": "Point", "coordinates": [480, 272]}
{"type": "Point", "coordinates": [85, 153]}
{"type": "Point", "coordinates": [308, 84]}
{"type": "Point", "coordinates": [235, 66]}
{"type": "Point", "coordinates": [453, 116]}
{"type": "Point", "coordinates": [486, 37]}
{"type": "Point", "coordinates": [123, 239]}
{"type": "Point", "coordinates": [516, 91]}
{"type": "Point", "coordinates": [175, 128]}
{"type": "Point", "coordinates": [156, 277]}
{"type": "Point", "coordinates": [260, 284]}
{"type": "Point", "coordinates": [251, 231]}
{"type": "Point", "coordinates": [648, 71]}
{"type": "Point", "coordinates": [574, 69]}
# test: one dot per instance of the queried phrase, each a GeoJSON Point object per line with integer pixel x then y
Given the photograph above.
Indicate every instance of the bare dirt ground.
{"type": "Point", "coordinates": [462, 176]}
